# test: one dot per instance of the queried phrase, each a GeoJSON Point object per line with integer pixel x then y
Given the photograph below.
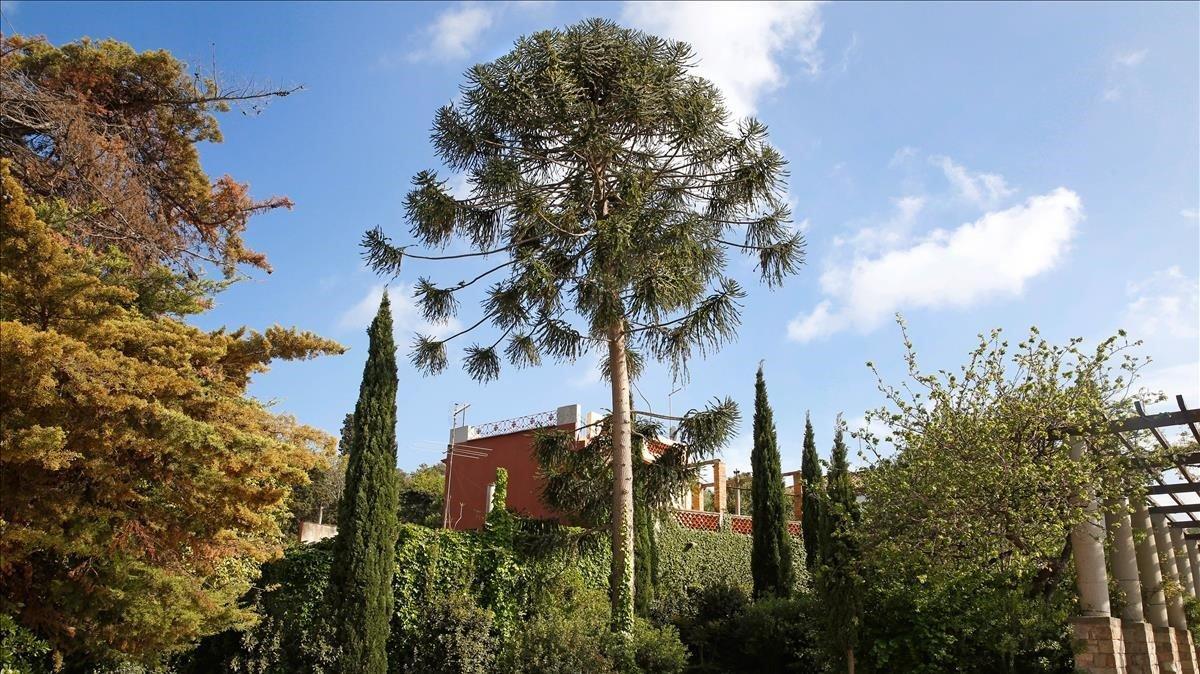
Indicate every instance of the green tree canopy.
{"type": "Point", "coordinates": [972, 494]}
{"type": "Point", "coordinates": [611, 183]}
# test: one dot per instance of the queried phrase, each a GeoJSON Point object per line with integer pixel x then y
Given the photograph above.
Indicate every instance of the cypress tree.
{"type": "Point", "coordinates": [810, 517]}
{"type": "Point", "coordinates": [365, 549]}
{"type": "Point", "coordinates": [770, 556]}
{"type": "Point", "coordinates": [839, 582]}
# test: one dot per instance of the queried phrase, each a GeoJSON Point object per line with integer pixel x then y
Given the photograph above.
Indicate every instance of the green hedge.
{"type": "Point", "coordinates": [509, 570]}
{"type": "Point", "coordinates": [691, 560]}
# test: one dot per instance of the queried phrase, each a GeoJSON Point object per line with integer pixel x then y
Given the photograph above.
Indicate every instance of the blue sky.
{"type": "Point", "coordinates": [970, 165]}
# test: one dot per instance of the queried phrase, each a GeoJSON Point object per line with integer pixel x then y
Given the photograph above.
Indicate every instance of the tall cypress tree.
{"type": "Point", "coordinates": [365, 549]}
{"type": "Point", "coordinates": [838, 578]}
{"type": "Point", "coordinates": [770, 556]}
{"type": "Point", "coordinates": [810, 517]}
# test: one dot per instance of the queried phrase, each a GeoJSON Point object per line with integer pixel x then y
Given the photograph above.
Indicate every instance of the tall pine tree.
{"type": "Point", "coordinates": [839, 581]}
{"type": "Point", "coordinates": [609, 183]}
{"type": "Point", "coordinates": [364, 553]}
{"type": "Point", "coordinates": [810, 517]}
{"type": "Point", "coordinates": [770, 556]}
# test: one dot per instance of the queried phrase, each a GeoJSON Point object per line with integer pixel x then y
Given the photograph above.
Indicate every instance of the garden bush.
{"type": "Point", "coordinates": [691, 560]}
{"type": "Point", "coordinates": [457, 637]}
{"type": "Point", "coordinates": [729, 633]}
{"type": "Point", "coordinates": [968, 624]}
{"type": "Point", "coordinates": [493, 600]}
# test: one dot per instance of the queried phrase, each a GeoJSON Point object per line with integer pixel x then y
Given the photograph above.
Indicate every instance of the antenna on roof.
{"type": "Point", "coordinates": [458, 410]}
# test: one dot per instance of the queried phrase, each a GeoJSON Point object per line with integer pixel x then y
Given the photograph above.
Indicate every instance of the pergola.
{"type": "Point", "coordinates": [1155, 562]}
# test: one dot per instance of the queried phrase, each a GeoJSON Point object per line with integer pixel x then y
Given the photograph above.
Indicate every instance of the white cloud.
{"type": "Point", "coordinates": [849, 53]}
{"type": "Point", "coordinates": [739, 44]}
{"type": "Point", "coordinates": [993, 256]}
{"type": "Point", "coordinates": [455, 32]}
{"type": "Point", "coordinates": [891, 232]}
{"type": "Point", "coordinates": [1130, 59]}
{"type": "Point", "coordinates": [902, 156]}
{"type": "Point", "coordinates": [985, 190]}
{"type": "Point", "coordinates": [1121, 72]}
{"type": "Point", "coordinates": [1190, 213]}
{"type": "Point", "coordinates": [406, 315]}
{"type": "Point", "coordinates": [1166, 304]}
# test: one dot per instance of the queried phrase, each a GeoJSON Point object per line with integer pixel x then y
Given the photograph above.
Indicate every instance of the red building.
{"type": "Point", "coordinates": [475, 452]}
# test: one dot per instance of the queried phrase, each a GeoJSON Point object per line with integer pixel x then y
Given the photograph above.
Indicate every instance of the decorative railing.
{"type": "Point", "coordinates": [711, 521]}
{"type": "Point", "coordinates": [517, 424]}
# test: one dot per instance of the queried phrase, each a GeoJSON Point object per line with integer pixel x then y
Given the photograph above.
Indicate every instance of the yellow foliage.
{"type": "Point", "coordinates": [141, 486]}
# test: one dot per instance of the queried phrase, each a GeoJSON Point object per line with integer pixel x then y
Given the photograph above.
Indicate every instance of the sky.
{"type": "Point", "coordinates": [970, 166]}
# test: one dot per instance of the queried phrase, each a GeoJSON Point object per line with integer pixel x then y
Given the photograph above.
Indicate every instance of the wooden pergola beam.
{"type": "Point", "coordinates": [1181, 509]}
{"type": "Point", "coordinates": [1177, 488]}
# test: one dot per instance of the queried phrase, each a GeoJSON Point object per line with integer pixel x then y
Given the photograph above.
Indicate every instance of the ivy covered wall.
{"type": "Point", "coordinates": [691, 559]}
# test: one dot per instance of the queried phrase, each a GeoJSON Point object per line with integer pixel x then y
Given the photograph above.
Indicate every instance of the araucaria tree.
{"type": "Point", "coordinates": [838, 577]}
{"type": "Point", "coordinates": [611, 183]}
{"type": "Point", "coordinates": [364, 553]}
{"type": "Point", "coordinates": [810, 515]}
{"type": "Point", "coordinates": [771, 554]}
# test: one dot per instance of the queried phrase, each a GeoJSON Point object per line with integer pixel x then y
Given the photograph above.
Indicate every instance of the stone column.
{"type": "Point", "coordinates": [1098, 641]}
{"type": "Point", "coordinates": [1124, 561]}
{"type": "Point", "coordinates": [1140, 654]}
{"type": "Point", "coordinates": [697, 497]}
{"type": "Point", "coordinates": [719, 485]}
{"type": "Point", "coordinates": [798, 496]}
{"type": "Point", "coordinates": [1193, 551]}
{"type": "Point", "coordinates": [1183, 568]}
{"type": "Point", "coordinates": [1087, 543]}
{"type": "Point", "coordinates": [1166, 554]}
{"type": "Point", "coordinates": [1154, 602]}
{"type": "Point", "coordinates": [1183, 564]}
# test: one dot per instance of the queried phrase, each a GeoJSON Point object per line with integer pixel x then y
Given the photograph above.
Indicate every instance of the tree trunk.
{"type": "Point", "coordinates": [850, 660]}
{"type": "Point", "coordinates": [621, 581]}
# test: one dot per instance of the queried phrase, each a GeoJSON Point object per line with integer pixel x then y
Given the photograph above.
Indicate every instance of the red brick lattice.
{"type": "Point", "coordinates": [710, 521]}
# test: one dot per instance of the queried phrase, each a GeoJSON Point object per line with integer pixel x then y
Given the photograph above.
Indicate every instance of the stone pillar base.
{"type": "Point", "coordinates": [1187, 651]}
{"type": "Point", "coordinates": [1099, 646]}
{"type": "Point", "coordinates": [1168, 650]}
{"type": "Point", "coordinates": [1140, 654]}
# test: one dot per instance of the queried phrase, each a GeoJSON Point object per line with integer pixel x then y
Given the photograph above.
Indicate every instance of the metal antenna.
{"type": "Point", "coordinates": [457, 410]}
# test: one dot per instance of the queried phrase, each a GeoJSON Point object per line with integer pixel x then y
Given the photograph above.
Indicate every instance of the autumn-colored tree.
{"type": "Point", "coordinates": [612, 183]}
{"type": "Point", "coordinates": [112, 133]}
{"type": "Point", "coordinates": [140, 486]}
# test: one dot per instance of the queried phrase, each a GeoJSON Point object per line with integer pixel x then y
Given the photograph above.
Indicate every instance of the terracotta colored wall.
{"type": "Point", "coordinates": [468, 478]}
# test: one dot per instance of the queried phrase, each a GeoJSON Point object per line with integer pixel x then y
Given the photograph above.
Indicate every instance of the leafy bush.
{"type": "Point", "coordinates": [658, 650]}
{"type": "Point", "coordinates": [20, 650]}
{"type": "Point", "coordinates": [728, 633]}
{"type": "Point", "coordinates": [566, 633]}
{"type": "Point", "coordinates": [457, 638]}
{"type": "Point", "coordinates": [966, 624]}
{"type": "Point", "coordinates": [1191, 607]}
{"type": "Point", "coordinates": [689, 561]}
